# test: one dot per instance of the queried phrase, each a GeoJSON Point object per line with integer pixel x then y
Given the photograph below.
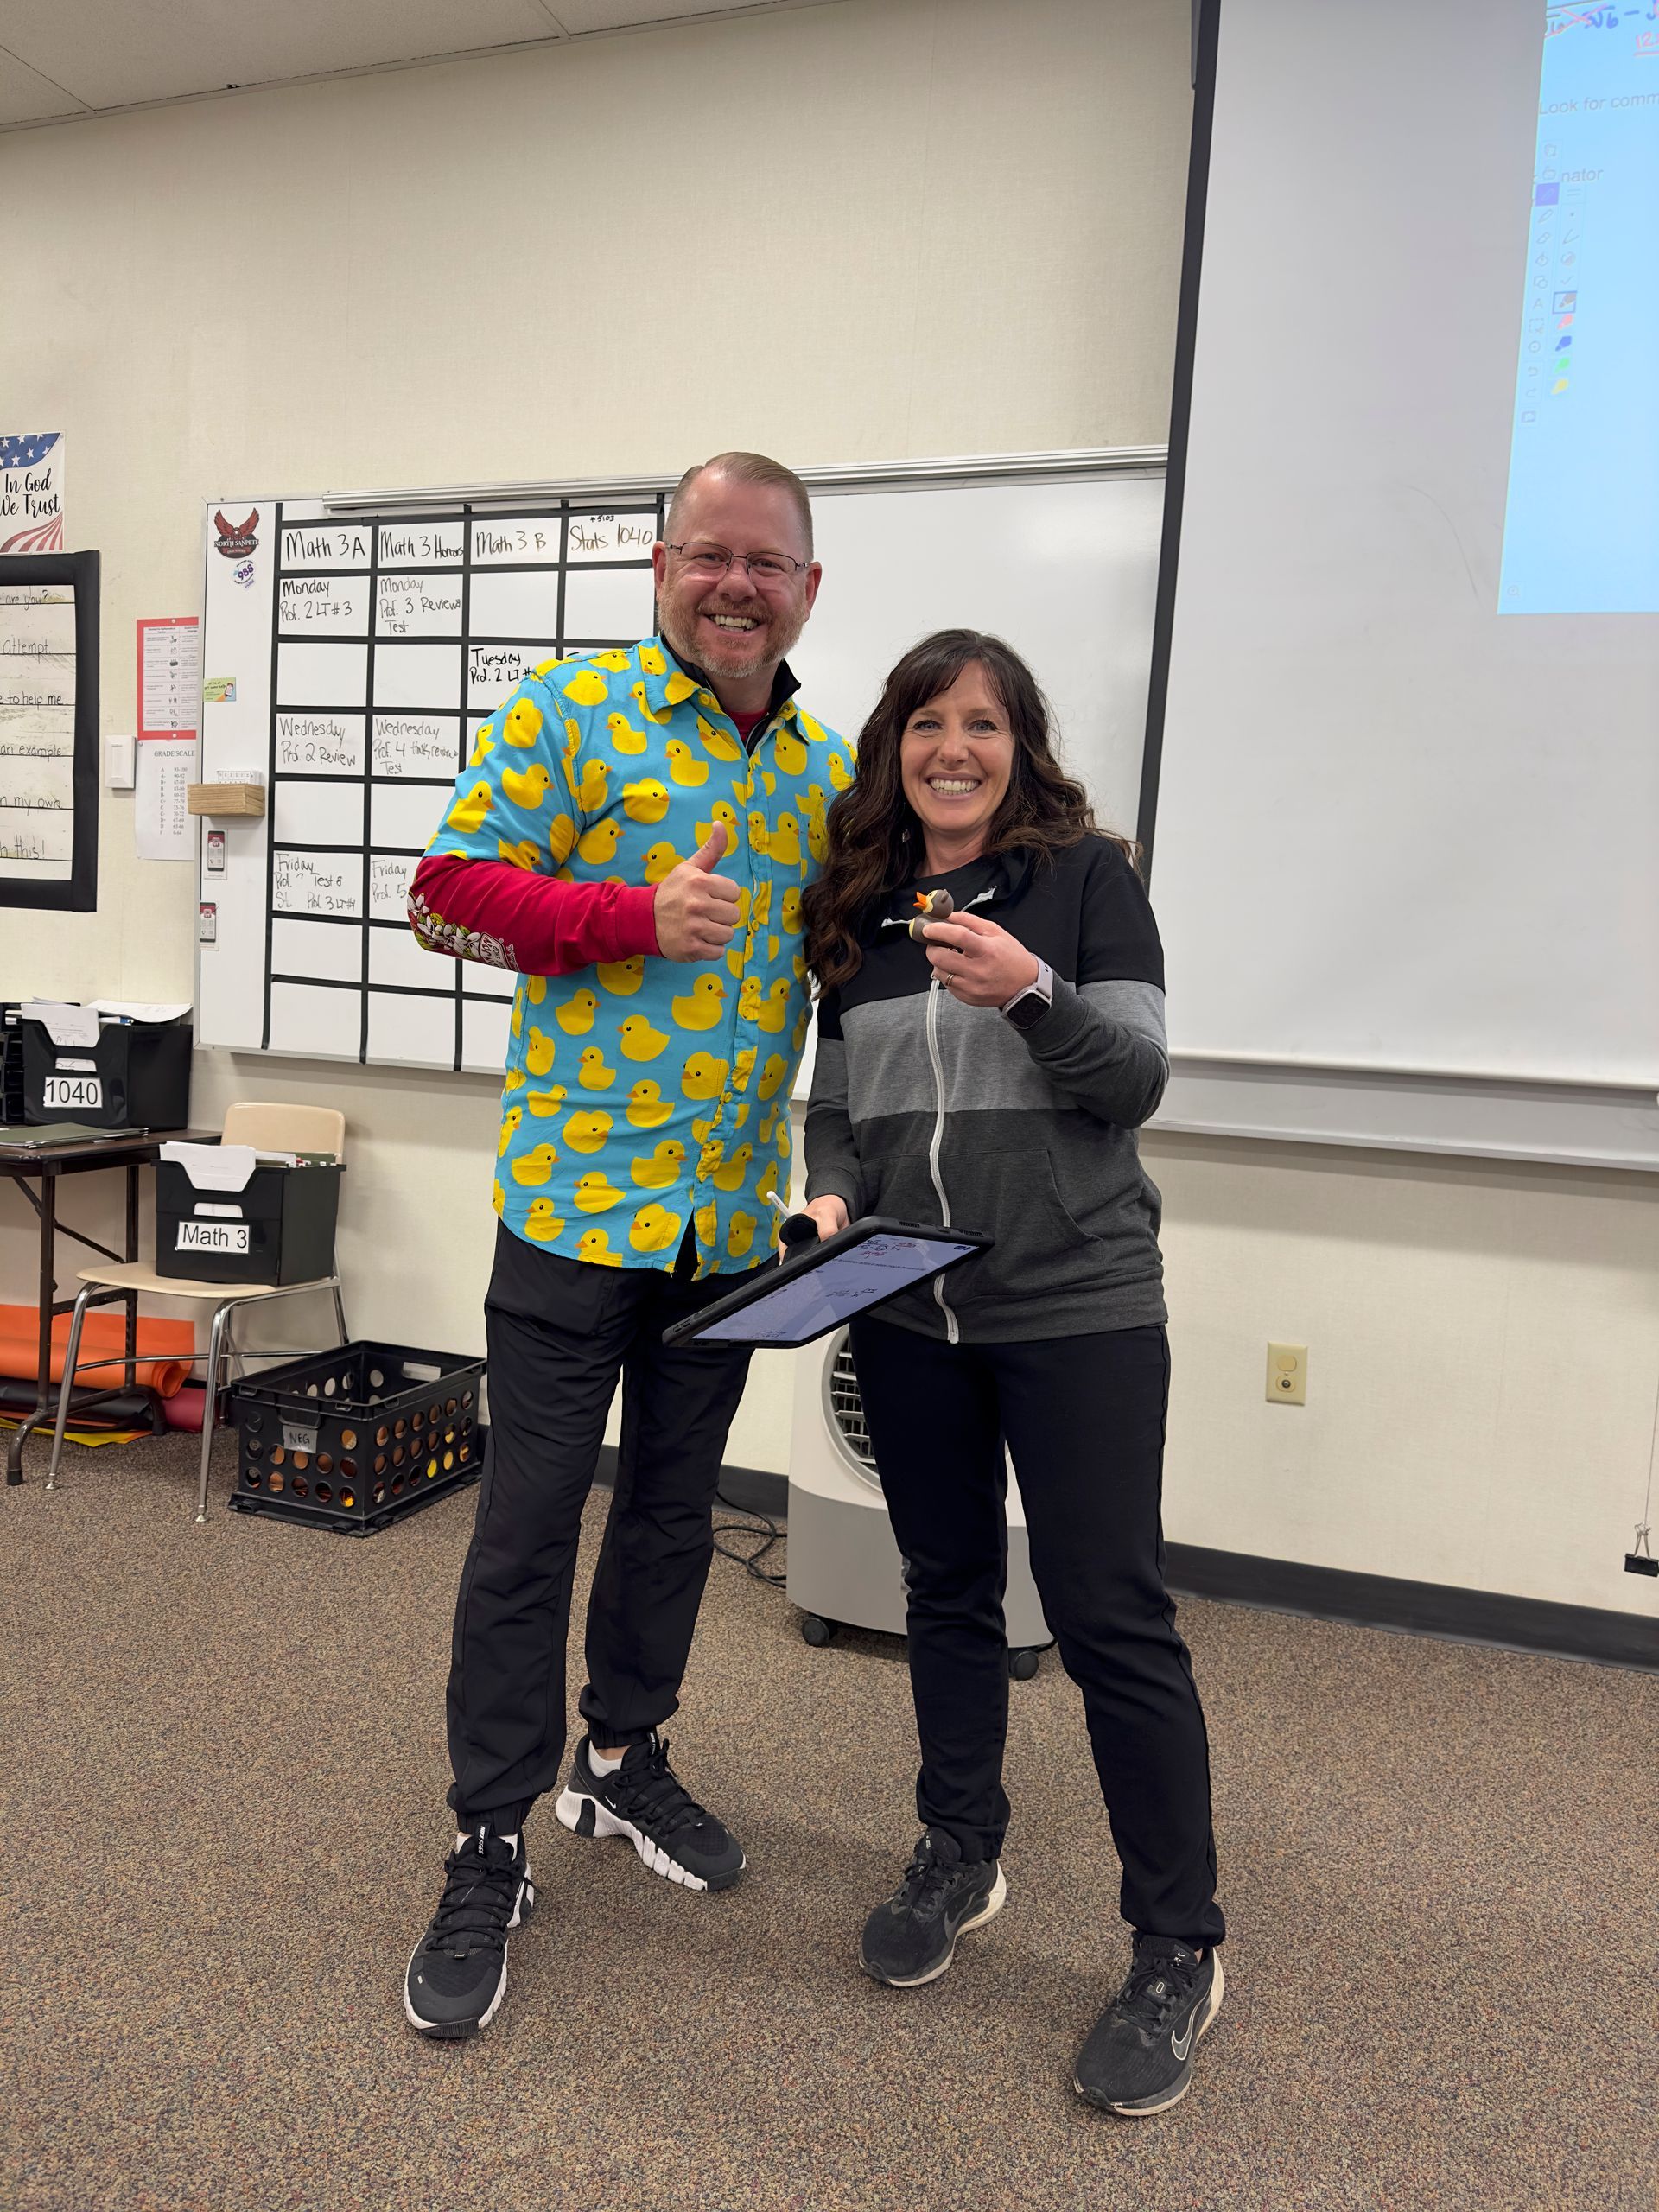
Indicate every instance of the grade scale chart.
{"type": "Point", "coordinates": [366, 653]}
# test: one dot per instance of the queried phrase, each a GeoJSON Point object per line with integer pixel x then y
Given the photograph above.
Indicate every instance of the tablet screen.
{"type": "Point", "coordinates": [818, 1299]}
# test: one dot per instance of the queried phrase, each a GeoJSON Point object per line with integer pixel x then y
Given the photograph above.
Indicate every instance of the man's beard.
{"type": "Point", "coordinates": [739, 654]}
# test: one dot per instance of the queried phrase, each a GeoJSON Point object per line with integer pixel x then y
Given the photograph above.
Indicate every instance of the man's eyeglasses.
{"type": "Point", "coordinates": [703, 559]}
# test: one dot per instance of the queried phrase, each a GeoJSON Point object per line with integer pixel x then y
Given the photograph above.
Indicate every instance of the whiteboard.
{"type": "Point", "coordinates": [352, 647]}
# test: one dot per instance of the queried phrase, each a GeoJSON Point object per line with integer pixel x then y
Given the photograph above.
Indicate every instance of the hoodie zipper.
{"type": "Point", "coordinates": [934, 993]}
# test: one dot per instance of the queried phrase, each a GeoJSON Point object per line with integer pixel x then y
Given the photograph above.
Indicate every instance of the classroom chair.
{"type": "Point", "coordinates": [268, 1128]}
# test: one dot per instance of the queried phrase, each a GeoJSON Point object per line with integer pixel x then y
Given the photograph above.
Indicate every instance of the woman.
{"type": "Point", "coordinates": [992, 1071]}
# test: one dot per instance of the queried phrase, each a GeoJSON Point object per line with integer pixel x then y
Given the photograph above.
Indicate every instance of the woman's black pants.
{"type": "Point", "coordinates": [1083, 1420]}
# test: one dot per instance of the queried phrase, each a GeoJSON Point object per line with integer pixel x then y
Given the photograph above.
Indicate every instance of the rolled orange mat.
{"type": "Point", "coordinates": [164, 1349]}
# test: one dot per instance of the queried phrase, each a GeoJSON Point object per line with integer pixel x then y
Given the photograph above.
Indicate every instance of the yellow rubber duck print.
{"type": "Point", "coordinates": [768, 1128]}
{"type": "Point", "coordinates": [790, 753]}
{"type": "Point", "coordinates": [772, 1074]}
{"type": "Point", "coordinates": [519, 1013]}
{"type": "Point", "coordinates": [803, 1022]}
{"type": "Point", "coordinates": [678, 686]}
{"type": "Point", "coordinates": [703, 1076]}
{"type": "Point", "coordinates": [529, 790]}
{"type": "Point", "coordinates": [483, 746]}
{"type": "Point", "coordinates": [791, 917]}
{"type": "Point", "coordinates": [707, 1221]}
{"type": "Point", "coordinates": [594, 1075]}
{"type": "Point", "coordinates": [515, 1082]}
{"type": "Point", "coordinates": [535, 1166]}
{"type": "Point", "coordinates": [660, 861]}
{"type": "Point", "coordinates": [594, 787]}
{"type": "Point", "coordinates": [652, 660]}
{"type": "Point", "coordinates": [587, 1132]}
{"type": "Point", "coordinates": [654, 1228]}
{"type": "Point", "coordinates": [536, 986]}
{"type": "Point", "coordinates": [758, 836]}
{"type": "Point", "coordinates": [769, 783]}
{"type": "Point", "coordinates": [766, 1180]}
{"type": "Point", "coordinates": [763, 903]}
{"type": "Point", "coordinates": [543, 1102]}
{"type": "Point", "coordinates": [510, 1122]}
{"type": "Point", "coordinates": [523, 854]}
{"type": "Point", "coordinates": [683, 766]}
{"type": "Point", "coordinates": [586, 687]}
{"type": "Point", "coordinates": [594, 1247]}
{"type": "Point", "coordinates": [639, 1040]}
{"type": "Point", "coordinates": [576, 1016]}
{"type": "Point", "coordinates": [594, 1193]}
{"type": "Point", "coordinates": [740, 1114]}
{"type": "Point", "coordinates": [726, 814]}
{"type": "Point", "coordinates": [737, 952]}
{"type": "Point", "coordinates": [647, 1107]}
{"type": "Point", "coordinates": [768, 1011]}
{"type": "Point", "coordinates": [545, 668]}
{"type": "Point", "coordinates": [616, 661]}
{"type": "Point", "coordinates": [538, 1054]}
{"type": "Point", "coordinates": [622, 978]}
{"type": "Point", "coordinates": [647, 801]}
{"type": "Point", "coordinates": [814, 731]}
{"type": "Point", "coordinates": [740, 1234]}
{"type": "Point", "coordinates": [636, 692]}
{"type": "Point", "coordinates": [623, 734]}
{"type": "Point", "coordinates": [743, 1067]}
{"type": "Point", "coordinates": [599, 844]}
{"type": "Point", "coordinates": [522, 723]}
{"type": "Point", "coordinates": [728, 1176]}
{"type": "Point", "coordinates": [840, 774]}
{"type": "Point", "coordinates": [700, 1008]}
{"type": "Point", "coordinates": [561, 838]}
{"type": "Point", "coordinates": [662, 1167]}
{"type": "Point", "coordinates": [468, 814]}
{"type": "Point", "coordinates": [784, 845]}
{"type": "Point", "coordinates": [498, 1197]}
{"type": "Point", "coordinates": [719, 742]}
{"type": "Point", "coordinates": [817, 838]}
{"type": "Point", "coordinates": [541, 1223]}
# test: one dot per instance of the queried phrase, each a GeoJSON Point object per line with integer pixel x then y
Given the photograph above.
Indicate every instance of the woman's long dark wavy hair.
{"type": "Point", "coordinates": [877, 842]}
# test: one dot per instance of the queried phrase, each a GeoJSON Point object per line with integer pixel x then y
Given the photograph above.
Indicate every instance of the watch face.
{"type": "Point", "coordinates": [1026, 1013]}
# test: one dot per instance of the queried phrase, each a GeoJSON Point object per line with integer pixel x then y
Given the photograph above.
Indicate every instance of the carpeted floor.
{"type": "Point", "coordinates": [224, 1811]}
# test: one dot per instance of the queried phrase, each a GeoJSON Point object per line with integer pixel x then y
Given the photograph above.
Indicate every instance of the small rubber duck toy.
{"type": "Point", "coordinates": [933, 906]}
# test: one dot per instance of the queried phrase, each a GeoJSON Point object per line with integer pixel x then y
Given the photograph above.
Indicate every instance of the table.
{"type": "Point", "coordinates": [47, 1166]}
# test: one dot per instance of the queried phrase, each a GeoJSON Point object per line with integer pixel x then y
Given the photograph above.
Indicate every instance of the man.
{"type": "Point", "coordinates": [632, 834]}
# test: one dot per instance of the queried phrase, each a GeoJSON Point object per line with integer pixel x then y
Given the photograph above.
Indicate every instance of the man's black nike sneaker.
{"type": "Point", "coordinates": [911, 1936]}
{"type": "Point", "coordinates": [643, 1800]}
{"type": "Point", "coordinates": [458, 1975]}
{"type": "Point", "coordinates": [1138, 2059]}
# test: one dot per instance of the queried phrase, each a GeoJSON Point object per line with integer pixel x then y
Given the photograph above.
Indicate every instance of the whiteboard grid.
{"type": "Point", "coordinates": [336, 886]}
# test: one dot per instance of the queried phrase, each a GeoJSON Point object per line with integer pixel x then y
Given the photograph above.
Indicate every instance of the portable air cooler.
{"type": "Point", "coordinates": [844, 1568]}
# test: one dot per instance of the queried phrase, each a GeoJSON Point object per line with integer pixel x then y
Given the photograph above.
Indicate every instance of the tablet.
{"type": "Point", "coordinates": [859, 1268]}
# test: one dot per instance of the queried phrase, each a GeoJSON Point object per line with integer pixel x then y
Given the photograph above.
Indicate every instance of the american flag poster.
{"type": "Point", "coordinates": [31, 492]}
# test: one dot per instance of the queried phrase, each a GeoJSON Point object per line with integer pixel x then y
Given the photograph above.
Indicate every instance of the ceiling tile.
{"type": "Point", "coordinates": [580, 15]}
{"type": "Point", "coordinates": [26, 98]}
{"type": "Point", "coordinates": [111, 56]}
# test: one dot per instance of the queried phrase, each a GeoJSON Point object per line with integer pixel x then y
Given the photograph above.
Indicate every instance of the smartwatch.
{"type": "Point", "coordinates": [1027, 1008]}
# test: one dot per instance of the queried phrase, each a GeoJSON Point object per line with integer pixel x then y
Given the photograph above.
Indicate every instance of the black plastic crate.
{"type": "Point", "coordinates": [349, 1440]}
{"type": "Point", "coordinates": [278, 1228]}
{"type": "Point", "coordinates": [11, 1067]}
{"type": "Point", "coordinates": [135, 1076]}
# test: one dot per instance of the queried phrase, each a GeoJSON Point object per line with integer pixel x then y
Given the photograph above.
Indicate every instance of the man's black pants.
{"type": "Point", "coordinates": [1083, 1419]}
{"type": "Point", "coordinates": [559, 1333]}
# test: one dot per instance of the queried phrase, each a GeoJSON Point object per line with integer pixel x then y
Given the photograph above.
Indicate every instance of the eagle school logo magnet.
{"type": "Point", "coordinates": [236, 539]}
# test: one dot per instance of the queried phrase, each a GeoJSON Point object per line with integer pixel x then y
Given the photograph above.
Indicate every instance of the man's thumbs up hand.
{"type": "Point", "coordinates": [696, 910]}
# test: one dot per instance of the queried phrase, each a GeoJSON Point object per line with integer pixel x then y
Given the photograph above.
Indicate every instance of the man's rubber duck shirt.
{"type": "Point", "coordinates": [642, 1091]}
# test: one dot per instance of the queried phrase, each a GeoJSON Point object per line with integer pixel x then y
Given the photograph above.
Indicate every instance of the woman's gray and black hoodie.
{"type": "Point", "coordinates": [935, 1112]}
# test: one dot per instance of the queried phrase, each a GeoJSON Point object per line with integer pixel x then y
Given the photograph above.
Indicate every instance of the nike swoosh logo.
{"type": "Point", "coordinates": [1180, 2045]}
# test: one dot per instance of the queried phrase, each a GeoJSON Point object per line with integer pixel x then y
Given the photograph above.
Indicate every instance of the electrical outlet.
{"type": "Point", "coordinates": [1288, 1374]}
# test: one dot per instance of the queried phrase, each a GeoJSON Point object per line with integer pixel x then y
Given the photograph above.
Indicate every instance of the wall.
{"type": "Point", "coordinates": [873, 230]}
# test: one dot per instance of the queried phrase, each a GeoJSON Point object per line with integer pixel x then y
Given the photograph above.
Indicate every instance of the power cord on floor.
{"type": "Point", "coordinates": [760, 1525]}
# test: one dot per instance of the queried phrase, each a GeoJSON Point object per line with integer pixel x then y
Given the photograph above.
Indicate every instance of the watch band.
{"type": "Point", "coordinates": [1031, 1004]}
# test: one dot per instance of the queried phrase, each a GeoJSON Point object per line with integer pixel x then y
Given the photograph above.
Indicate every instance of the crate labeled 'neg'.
{"type": "Point", "coordinates": [352, 1439]}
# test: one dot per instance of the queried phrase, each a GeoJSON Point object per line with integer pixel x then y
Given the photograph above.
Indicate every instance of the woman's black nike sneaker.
{"type": "Point", "coordinates": [458, 1975]}
{"type": "Point", "coordinates": [1138, 2059]}
{"type": "Point", "coordinates": [643, 1800]}
{"type": "Point", "coordinates": [911, 1937]}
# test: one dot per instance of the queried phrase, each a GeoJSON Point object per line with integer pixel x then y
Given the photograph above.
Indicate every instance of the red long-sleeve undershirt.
{"type": "Point", "coordinates": [544, 926]}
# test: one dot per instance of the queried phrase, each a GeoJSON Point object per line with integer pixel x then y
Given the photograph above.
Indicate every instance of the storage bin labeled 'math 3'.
{"type": "Point", "coordinates": [225, 1213]}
